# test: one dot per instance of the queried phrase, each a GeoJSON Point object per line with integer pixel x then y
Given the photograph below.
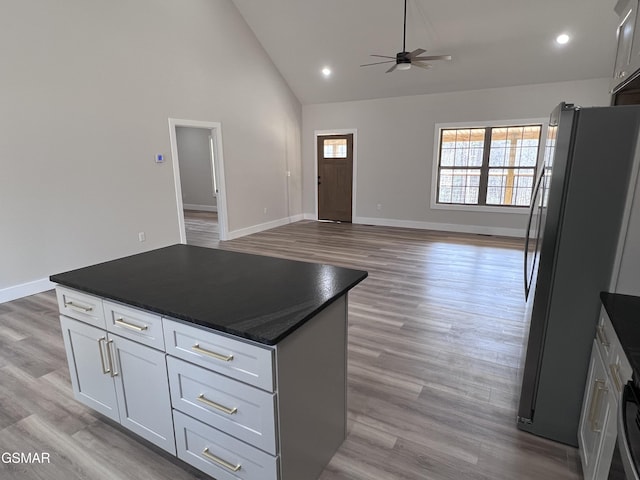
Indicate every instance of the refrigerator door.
{"type": "Point", "coordinates": [539, 260]}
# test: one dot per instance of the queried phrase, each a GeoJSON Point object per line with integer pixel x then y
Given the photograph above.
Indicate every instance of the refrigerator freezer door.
{"type": "Point", "coordinates": [550, 202]}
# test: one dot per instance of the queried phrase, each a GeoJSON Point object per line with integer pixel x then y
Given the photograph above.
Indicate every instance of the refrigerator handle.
{"type": "Point", "coordinates": [527, 238]}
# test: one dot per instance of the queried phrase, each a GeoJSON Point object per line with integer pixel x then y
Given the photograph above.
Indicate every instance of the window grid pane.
{"type": "Point", "coordinates": [460, 186]}
{"type": "Point", "coordinates": [462, 147]}
{"type": "Point", "coordinates": [510, 186]}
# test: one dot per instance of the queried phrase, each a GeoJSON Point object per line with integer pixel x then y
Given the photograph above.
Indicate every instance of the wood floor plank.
{"type": "Point", "coordinates": [436, 338]}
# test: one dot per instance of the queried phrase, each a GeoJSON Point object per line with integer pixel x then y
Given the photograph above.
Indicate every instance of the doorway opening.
{"type": "Point", "coordinates": [198, 170]}
{"type": "Point", "coordinates": [335, 174]}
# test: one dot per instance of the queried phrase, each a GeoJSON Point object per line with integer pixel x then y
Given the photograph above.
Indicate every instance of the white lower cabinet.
{"type": "Point", "coordinates": [233, 408]}
{"type": "Point", "coordinates": [219, 455]}
{"type": "Point", "coordinates": [597, 421]}
{"type": "Point", "coordinates": [121, 379]}
{"type": "Point", "coordinates": [86, 353]}
{"type": "Point", "coordinates": [609, 370]}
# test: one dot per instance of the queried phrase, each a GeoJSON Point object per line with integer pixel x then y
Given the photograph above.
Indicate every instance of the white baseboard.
{"type": "Point", "coordinates": [25, 289]}
{"type": "Point", "coordinates": [264, 226]}
{"type": "Point", "coordinates": [310, 216]}
{"type": "Point", "coordinates": [202, 208]}
{"type": "Point", "coordinates": [443, 227]}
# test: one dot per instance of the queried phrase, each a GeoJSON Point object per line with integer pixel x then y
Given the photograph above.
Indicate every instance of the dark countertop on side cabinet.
{"type": "Point", "coordinates": [252, 296]}
{"type": "Point", "coordinates": [624, 313]}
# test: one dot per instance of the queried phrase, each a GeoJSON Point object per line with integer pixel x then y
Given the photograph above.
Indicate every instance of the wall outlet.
{"type": "Point", "coordinates": [141, 236]}
{"type": "Point", "coordinates": [379, 206]}
{"type": "Point", "coordinates": [265, 210]}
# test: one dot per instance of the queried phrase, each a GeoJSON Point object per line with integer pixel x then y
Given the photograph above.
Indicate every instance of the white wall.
{"type": "Point", "coordinates": [395, 146]}
{"type": "Point", "coordinates": [196, 169]}
{"type": "Point", "coordinates": [87, 90]}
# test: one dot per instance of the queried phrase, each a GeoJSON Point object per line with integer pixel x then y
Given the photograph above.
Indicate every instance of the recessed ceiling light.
{"type": "Point", "coordinates": [326, 71]}
{"type": "Point", "coordinates": [562, 39]}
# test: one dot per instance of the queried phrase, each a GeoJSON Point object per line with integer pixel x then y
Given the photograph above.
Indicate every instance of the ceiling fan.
{"type": "Point", "coordinates": [404, 60]}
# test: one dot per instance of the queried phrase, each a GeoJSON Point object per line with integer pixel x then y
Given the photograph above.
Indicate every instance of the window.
{"type": "Point", "coordinates": [335, 148]}
{"type": "Point", "coordinates": [487, 166]}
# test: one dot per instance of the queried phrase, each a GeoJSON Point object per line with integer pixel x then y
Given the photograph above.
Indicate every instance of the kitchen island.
{"type": "Point", "coordinates": [235, 363]}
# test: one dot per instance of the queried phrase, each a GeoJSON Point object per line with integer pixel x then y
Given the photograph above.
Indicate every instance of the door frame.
{"type": "Point", "coordinates": [321, 133]}
{"type": "Point", "coordinates": [217, 169]}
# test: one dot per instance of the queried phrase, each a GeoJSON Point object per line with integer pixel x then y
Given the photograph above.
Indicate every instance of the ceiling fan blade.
{"type": "Point", "coordinates": [433, 57]}
{"type": "Point", "coordinates": [376, 63]}
{"type": "Point", "coordinates": [426, 66]}
{"type": "Point", "coordinates": [416, 52]}
{"type": "Point", "coordinates": [382, 56]}
{"type": "Point", "coordinates": [391, 69]}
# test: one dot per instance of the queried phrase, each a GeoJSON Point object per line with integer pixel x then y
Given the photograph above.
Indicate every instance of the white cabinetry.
{"type": "Point", "coordinates": [609, 370]}
{"type": "Point", "coordinates": [233, 408]}
{"type": "Point", "coordinates": [124, 380]}
{"type": "Point", "coordinates": [628, 49]}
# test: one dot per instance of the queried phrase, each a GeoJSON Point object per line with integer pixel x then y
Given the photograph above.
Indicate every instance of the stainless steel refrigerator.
{"type": "Point", "coordinates": [572, 234]}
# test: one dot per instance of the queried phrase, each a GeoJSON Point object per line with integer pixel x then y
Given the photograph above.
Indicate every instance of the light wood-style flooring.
{"type": "Point", "coordinates": [201, 228]}
{"type": "Point", "coordinates": [435, 344]}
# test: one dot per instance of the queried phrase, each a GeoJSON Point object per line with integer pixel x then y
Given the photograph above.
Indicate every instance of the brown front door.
{"type": "Point", "coordinates": [335, 177]}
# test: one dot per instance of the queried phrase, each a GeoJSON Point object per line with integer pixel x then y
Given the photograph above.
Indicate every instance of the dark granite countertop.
{"type": "Point", "coordinates": [624, 313]}
{"type": "Point", "coordinates": [256, 297]}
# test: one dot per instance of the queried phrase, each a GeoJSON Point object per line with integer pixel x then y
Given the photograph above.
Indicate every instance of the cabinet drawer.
{"type": "Point", "coordinates": [137, 325]}
{"type": "Point", "coordinates": [245, 412]}
{"type": "Point", "coordinates": [243, 361]}
{"type": "Point", "coordinates": [81, 306]}
{"type": "Point", "coordinates": [219, 455]}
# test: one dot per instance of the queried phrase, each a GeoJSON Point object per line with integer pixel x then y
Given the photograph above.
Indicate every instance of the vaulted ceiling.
{"type": "Point", "coordinates": [494, 43]}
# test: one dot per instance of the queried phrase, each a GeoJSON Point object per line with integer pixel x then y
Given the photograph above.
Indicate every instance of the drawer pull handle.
{"type": "Point", "coordinates": [615, 374]}
{"type": "Point", "coordinates": [602, 337]}
{"type": "Point", "coordinates": [219, 461]}
{"type": "Point", "coordinates": [224, 358]}
{"type": "Point", "coordinates": [217, 406]}
{"type": "Point", "coordinates": [77, 308]}
{"type": "Point", "coordinates": [105, 370]}
{"type": "Point", "coordinates": [120, 321]}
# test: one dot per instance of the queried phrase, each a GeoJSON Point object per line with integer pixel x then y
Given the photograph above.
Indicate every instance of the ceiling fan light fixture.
{"type": "Point", "coordinates": [403, 66]}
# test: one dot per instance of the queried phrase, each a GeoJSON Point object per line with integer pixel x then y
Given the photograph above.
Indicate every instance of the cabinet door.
{"type": "Point", "coordinates": [143, 391]}
{"type": "Point", "coordinates": [88, 365]}
{"type": "Point", "coordinates": [609, 434]}
{"type": "Point", "coordinates": [627, 10]}
{"type": "Point", "coordinates": [596, 415]}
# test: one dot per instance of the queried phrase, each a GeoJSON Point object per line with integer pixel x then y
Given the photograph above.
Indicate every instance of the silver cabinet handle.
{"type": "Point", "coordinates": [120, 321]}
{"type": "Point", "coordinates": [105, 370]}
{"type": "Point", "coordinates": [594, 411]}
{"type": "Point", "coordinates": [77, 308]}
{"type": "Point", "coordinates": [230, 411]}
{"type": "Point", "coordinates": [111, 356]}
{"type": "Point", "coordinates": [602, 337]}
{"type": "Point", "coordinates": [615, 375]}
{"type": "Point", "coordinates": [199, 349]}
{"type": "Point", "coordinates": [229, 466]}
